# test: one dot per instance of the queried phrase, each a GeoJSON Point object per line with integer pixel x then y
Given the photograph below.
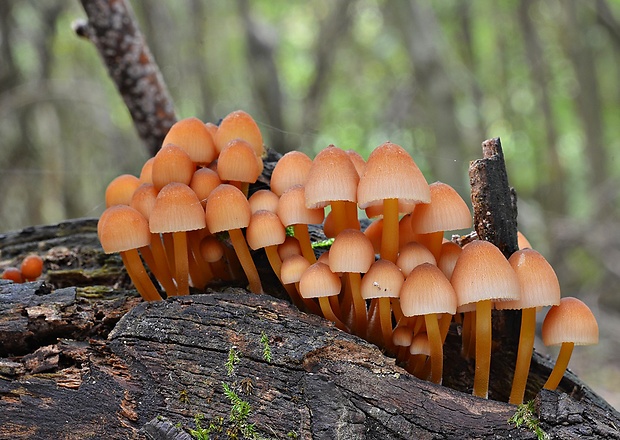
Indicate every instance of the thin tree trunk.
{"type": "Point", "coordinates": [113, 29]}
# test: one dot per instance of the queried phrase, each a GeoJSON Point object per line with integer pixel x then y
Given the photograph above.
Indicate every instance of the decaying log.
{"type": "Point", "coordinates": [168, 359]}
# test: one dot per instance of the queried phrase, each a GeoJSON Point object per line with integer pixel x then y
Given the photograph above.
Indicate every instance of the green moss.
{"type": "Point", "coordinates": [525, 416]}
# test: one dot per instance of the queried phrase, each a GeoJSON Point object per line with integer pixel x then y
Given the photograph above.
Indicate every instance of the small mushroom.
{"type": "Point", "coordinates": [568, 324]}
{"type": "Point", "coordinates": [124, 230]}
{"type": "Point", "coordinates": [391, 175]}
{"type": "Point", "coordinates": [352, 253]}
{"type": "Point", "coordinates": [319, 282]}
{"type": "Point", "coordinates": [483, 275]}
{"type": "Point", "coordinates": [539, 288]}
{"type": "Point", "coordinates": [229, 210]}
{"type": "Point", "coordinates": [293, 212]}
{"type": "Point", "coordinates": [427, 292]}
{"type": "Point", "coordinates": [177, 210]}
{"type": "Point", "coordinates": [31, 267]}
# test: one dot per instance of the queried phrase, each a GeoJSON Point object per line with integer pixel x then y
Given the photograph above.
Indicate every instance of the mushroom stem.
{"type": "Point", "coordinates": [169, 246]}
{"type": "Point", "coordinates": [302, 236]}
{"type": "Point", "coordinates": [352, 221]}
{"type": "Point", "coordinates": [471, 352]}
{"type": "Point", "coordinates": [468, 324]}
{"type": "Point", "coordinates": [389, 239]}
{"type": "Point", "coordinates": [205, 269]}
{"type": "Point", "coordinates": [181, 262]}
{"type": "Point", "coordinates": [483, 348]}
{"type": "Point", "coordinates": [560, 366]}
{"type": "Point", "coordinates": [156, 268]}
{"type": "Point", "coordinates": [436, 347]}
{"type": "Point", "coordinates": [524, 355]}
{"type": "Point", "coordinates": [385, 319]}
{"type": "Point", "coordinates": [138, 275]}
{"type": "Point", "coordinates": [396, 309]}
{"type": "Point", "coordinates": [339, 213]}
{"type": "Point", "coordinates": [432, 241]}
{"type": "Point", "coordinates": [243, 253]}
{"type": "Point", "coordinates": [329, 314]}
{"type": "Point", "coordinates": [162, 272]}
{"type": "Point", "coordinates": [444, 326]}
{"type": "Point", "coordinates": [359, 305]}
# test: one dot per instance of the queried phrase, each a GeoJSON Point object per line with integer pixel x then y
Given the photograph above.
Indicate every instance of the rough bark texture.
{"type": "Point", "coordinates": [494, 201]}
{"type": "Point", "coordinates": [112, 28]}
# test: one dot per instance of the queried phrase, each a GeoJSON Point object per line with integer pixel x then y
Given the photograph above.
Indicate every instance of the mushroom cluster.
{"type": "Point", "coordinates": [399, 283]}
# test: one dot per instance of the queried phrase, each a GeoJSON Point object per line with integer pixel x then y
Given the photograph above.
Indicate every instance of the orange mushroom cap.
{"type": "Point", "coordinates": [265, 229]}
{"type": "Point", "coordinates": [239, 125]}
{"type": "Point", "coordinates": [194, 137]}
{"type": "Point", "coordinates": [289, 247]}
{"type": "Point", "coordinates": [539, 284]}
{"type": "Point", "coordinates": [483, 273]}
{"type": "Point", "coordinates": [450, 252]}
{"type": "Point", "coordinates": [570, 321]}
{"type": "Point", "coordinates": [358, 161]}
{"type": "Point", "coordinates": [143, 199]}
{"type": "Point", "coordinates": [351, 252]}
{"type": "Point", "coordinates": [172, 164]}
{"type": "Point", "coordinates": [447, 211]}
{"type": "Point", "coordinates": [227, 208]}
{"type": "Point", "coordinates": [332, 177]}
{"type": "Point", "coordinates": [120, 190]}
{"type": "Point", "coordinates": [263, 199]}
{"type": "Point", "coordinates": [203, 182]}
{"type": "Point", "coordinates": [121, 228]}
{"type": "Point", "coordinates": [391, 173]}
{"type": "Point", "coordinates": [318, 281]}
{"type": "Point", "coordinates": [293, 268]}
{"type": "Point", "coordinates": [412, 255]}
{"type": "Point", "coordinates": [177, 208]}
{"type": "Point", "coordinates": [292, 169]}
{"type": "Point", "coordinates": [523, 242]}
{"type": "Point", "coordinates": [420, 345]}
{"type": "Point", "coordinates": [292, 208]}
{"type": "Point", "coordinates": [427, 290]}
{"type": "Point", "coordinates": [146, 174]}
{"type": "Point", "coordinates": [211, 249]}
{"type": "Point", "coordinates": [13, 274]}
{"type": "Point", "coordinates": [238, 162]}
{"type": "Point", "coordinates": [383, 280]}
{"type": "Point", "coordinates": [32, 267]}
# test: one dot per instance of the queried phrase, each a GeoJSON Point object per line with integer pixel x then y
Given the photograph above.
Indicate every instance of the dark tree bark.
{"type": "Point", "coordinates": [112, 28]}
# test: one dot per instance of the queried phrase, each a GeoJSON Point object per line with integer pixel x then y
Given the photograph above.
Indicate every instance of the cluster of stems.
{"type": "Point", "coordinates": [398, 283]}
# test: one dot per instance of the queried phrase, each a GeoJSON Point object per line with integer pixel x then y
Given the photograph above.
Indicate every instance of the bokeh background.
{"type": "Point", "coordinates": [437, 78]}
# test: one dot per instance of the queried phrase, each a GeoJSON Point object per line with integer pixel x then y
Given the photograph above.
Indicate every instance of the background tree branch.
{"type": "Point", "coordinates": [112, 28]}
